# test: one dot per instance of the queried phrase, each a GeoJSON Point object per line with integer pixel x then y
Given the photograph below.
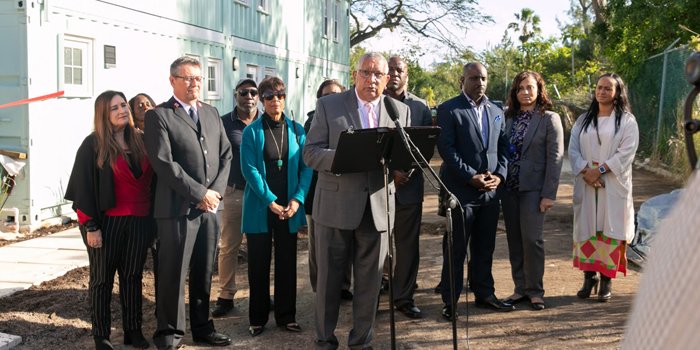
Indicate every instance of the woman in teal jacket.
{"type": "Point", "coordinates": [273, 206]}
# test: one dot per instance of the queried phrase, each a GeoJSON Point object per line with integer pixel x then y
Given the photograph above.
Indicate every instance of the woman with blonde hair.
{"type": "Point", "coordinates": [110, 187]}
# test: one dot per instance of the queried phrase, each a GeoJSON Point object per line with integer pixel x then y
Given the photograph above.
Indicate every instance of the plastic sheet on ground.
{"type": "Point", "coordinates": [649, 219]}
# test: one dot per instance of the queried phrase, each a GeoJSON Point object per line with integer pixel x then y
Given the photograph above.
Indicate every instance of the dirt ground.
{"type": "Point", "coordinates": [55, 315]}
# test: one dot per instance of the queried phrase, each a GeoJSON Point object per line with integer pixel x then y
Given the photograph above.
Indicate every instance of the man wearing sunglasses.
{"type": "Point", "coordinates": [349, 209]}
{"type": "Point", "coordinates": [244, 113]}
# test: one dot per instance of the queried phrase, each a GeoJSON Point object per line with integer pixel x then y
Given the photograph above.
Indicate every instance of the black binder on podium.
{"type": "Point", "coordinates": [362, 150]}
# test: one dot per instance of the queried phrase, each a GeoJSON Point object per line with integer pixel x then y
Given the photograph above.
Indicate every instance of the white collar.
{"type": "Point", "coordinates": [186, 106]}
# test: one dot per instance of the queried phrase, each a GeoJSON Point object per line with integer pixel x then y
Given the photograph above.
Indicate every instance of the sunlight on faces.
{"type": "Point", "coordinates": [398, 74]}
{"type": "Point", "coordinates": [247, 103]}
{"type": "Point", "coordinates": [185, 91]}
{"type": "Point", "coordinates": [474, 81]}
{"type": "Point", "coordinates": [371, 88]}
{"type": "Point", "coordinates": [275, 106]}
{"type": "Point", "coordinates": [119, 113]}
{"type": "Point", "coordinates": [605, 91]}
{"type": "Point", "coordinates": [527, 93]}
{"type": "Point", "coordinates": [141, 106]}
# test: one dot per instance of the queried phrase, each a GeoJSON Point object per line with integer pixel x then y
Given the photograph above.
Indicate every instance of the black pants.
{"type": "Point", "coordinates": [125, 241]}
{"type": "Point", "coordinates": [478, 224]}
{"type": "Point", "coordinates": [259, 259]}
{"type": "Point", "coordinates": [185, 243]}
{"type": "Point", "coordinates": [406, 238]}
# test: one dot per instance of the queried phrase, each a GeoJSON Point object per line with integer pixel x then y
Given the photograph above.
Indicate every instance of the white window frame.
{"type": "Point", "coordinates": [264, 6]}
{"type": "Point", "coordinates": [255, 69]}
{"type": "Point", "coordinates": [245, 3]}
{"type": "Point", "coordinates": [217, 65]}
{"type": "Point", "coordinates": [327, 24]}
{"type": "Point", "coordinates": [270, 72]}
{"type": "Point", "coordinates": [336, 21]}
{"type": "Point", "coordinates": [87, 64]}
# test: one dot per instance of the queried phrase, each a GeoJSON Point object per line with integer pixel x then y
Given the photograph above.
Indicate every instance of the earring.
{"type": "Point", "coordinates": [615, 101]}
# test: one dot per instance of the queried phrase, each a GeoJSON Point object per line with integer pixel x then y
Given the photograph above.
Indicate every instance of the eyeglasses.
{"type": "Point", "coordinates": [271, 95]}
{"type": "Point", "coordinates": [245, 92]}
{"type": "Point", "coordinates": [367, 74]}
{"type": "Point", "coordinates": [190, 80]}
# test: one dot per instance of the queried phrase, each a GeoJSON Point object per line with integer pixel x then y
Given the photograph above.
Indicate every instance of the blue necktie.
{"type": "Point", "coordinates": [193, 115]}
{"type": "Point", "coordinates": [485, 128]}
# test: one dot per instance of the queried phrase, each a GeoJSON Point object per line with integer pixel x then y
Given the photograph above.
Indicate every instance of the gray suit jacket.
{"type": "Point", "coordinates": [340, 200]}
{"type": "Point", "coordinates": [542, 154]}
{"type": "Point", "coordinates": [188, 159]}
{"type": "Point", "coordinates": [412, 192]}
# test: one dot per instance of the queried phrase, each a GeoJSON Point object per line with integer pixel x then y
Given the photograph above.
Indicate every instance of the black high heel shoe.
{"type": "Point", "coordinates": [605, 292]}
{"type": "Point", "coordinates": [590, 282]}
{"type": "Point", "coordinates": [136, 339]}
{"type": "Point", "coordinates": [103, 343]}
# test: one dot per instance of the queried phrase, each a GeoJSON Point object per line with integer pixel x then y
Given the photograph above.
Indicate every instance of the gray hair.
{"type": "Point", "coordinates": [374, 56]}
{"type": "Point", "coordinates": [184, 61]}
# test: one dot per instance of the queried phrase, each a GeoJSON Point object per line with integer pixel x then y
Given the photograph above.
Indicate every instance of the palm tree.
{"type": "Point", "coordinates": [527, 25]}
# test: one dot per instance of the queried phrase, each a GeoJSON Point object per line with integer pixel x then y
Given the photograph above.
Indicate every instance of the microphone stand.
{"type": "Point", "coordinates": [451, 203]}
{"type": "Point", "coordinates": [390, 251]}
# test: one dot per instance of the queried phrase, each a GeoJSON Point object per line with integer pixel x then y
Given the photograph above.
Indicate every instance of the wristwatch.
{"type": "Point", "coordinates": [602, 169]}
{"type": "Point", "coordinates": [91, 226]}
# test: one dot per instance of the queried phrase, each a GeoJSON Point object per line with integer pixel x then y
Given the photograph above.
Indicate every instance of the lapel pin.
{"type": "Point", "coordinates": [497, 119]}
{"type": "Point", "coordinates": [176, 105]}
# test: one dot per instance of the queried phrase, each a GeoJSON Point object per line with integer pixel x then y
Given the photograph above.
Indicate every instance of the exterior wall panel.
{"type": "Point", "coordinates": [148, 36]}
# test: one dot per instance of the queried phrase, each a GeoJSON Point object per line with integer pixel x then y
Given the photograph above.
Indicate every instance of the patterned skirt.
{"type": "Point", "coordinates": [601, 254]}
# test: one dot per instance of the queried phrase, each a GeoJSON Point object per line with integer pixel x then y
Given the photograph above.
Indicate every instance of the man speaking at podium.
{"type": "Point", "coordinates": [349, 209]}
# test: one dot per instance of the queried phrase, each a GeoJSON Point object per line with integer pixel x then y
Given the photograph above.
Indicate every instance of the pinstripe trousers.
{"type": "Point", "coordinates": [125, 241]}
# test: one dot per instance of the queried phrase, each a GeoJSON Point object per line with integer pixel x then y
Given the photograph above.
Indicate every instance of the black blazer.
{"type": "Point", "coordinates": [412, 192]}
{"type": "Point", "coordinates": [189, 159]}
{"type": "Point", "coordinates": [463, 151]}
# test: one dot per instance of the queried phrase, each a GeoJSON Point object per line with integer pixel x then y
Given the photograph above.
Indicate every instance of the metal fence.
{"type": "Point", "coordinates": [657, 104]}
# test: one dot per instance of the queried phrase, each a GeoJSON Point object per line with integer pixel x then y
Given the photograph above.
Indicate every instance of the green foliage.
{"type": "Point", "coordinates": [355, 54]}
{"type": "Point", "coordinates": [636, 30]}
{"type": "Point", "coordinates": [528, 24]}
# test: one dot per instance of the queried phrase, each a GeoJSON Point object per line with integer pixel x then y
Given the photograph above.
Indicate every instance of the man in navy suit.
{"type": "Point", "coordinates": [474, 147]}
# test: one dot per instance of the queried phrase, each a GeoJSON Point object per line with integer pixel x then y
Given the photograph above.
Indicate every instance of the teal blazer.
{"type": "Point", "coordinates": [257, 196]}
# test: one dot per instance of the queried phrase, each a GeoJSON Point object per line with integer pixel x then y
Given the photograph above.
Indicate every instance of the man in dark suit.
{"type": "Point", "coordinates": [409, 197]}
{"type": "Point", "coordinates": [474, 147]}
{"type": "Point", "coordinates": [189, 151]}
{"type": "Point", "coordinates": [349, 209]}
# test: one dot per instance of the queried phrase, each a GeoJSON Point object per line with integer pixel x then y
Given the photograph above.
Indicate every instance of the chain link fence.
{"type": "Point", "coordinates": [660, 114]}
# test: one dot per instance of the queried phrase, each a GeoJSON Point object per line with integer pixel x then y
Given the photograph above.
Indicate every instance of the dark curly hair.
{"type": "Point", "coordinates": [543, 101]}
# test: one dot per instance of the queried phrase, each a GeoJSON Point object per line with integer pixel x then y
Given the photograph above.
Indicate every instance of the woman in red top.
{"type": "Point", "coordinates": [110, 187]}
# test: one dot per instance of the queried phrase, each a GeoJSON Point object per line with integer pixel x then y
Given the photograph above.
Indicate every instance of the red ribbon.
{"type": "Point", "coordinates": [30, 100]}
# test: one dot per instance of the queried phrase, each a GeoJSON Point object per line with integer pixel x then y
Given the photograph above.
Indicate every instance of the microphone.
{"type": "Point", "coordinates": [394, 115]}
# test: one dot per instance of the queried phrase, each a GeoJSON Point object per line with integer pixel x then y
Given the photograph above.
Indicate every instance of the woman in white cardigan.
{"type": "Point", "coordinates": [603, 143]}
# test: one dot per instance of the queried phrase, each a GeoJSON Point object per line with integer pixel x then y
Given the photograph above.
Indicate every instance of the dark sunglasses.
{"type": "Point", "coordinates": [245, 92]}
{"type": "Point", "coordinates": [271, 95]}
